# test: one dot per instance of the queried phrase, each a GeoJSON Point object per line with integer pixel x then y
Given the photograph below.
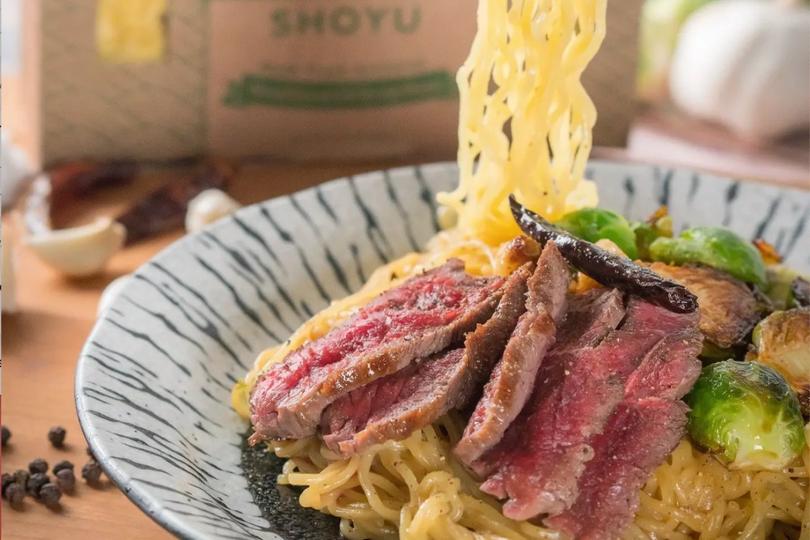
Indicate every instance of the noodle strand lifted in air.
{"type": "Point", "coordinates": [526, 120]}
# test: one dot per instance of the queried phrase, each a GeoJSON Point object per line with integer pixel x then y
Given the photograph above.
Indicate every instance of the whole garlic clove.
{"type": "Point", "coordinates": [208, 207]}
{"type": "Point", "coordinates": [79, 251]}
{"type": "Point", "coordinates": [111, 291]}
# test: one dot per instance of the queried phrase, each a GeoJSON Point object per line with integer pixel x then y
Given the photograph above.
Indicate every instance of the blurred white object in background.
{"type": "Point", "coordinates": [14, 170]}
{"type": "Point", "coordinates": [660, 25]}
{"type": "Point", "coordinates": [208, 207]}
{"type": "Point", "coordinates": [746, 65]}
{"type": "Point", "coordinates": [111, 291]}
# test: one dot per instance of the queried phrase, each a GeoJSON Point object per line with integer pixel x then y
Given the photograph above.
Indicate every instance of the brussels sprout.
{"type": "Point", "coordinates": [747, 413]}
{"type": "Point", "coordinates": [657, 225]}
{"type": "Point", "coordinates": [781, 280]}
{"type": "Point", "coordinates": [594, 224]}
{"type": "Point", "coordinates": [715, 247]}
{"type": "Point", "coordinates": [782, 341]}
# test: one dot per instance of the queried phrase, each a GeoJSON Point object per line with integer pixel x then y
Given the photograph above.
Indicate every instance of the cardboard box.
{"type": "Point", "coordinates": [304, 79]}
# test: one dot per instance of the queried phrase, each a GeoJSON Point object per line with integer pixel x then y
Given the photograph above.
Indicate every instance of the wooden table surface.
{"type": "Point", "coordinates": [41, 344]}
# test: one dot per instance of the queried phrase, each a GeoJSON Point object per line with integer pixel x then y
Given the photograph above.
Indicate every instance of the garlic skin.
{"type": "Point", "coordinates": [111, 292]}
{"type": "Point", "coordinates": [208, 207]}
{"type": "Point", "coordinates": [745, 64]}
{"type": "Point", "coordinates": [79, 251]}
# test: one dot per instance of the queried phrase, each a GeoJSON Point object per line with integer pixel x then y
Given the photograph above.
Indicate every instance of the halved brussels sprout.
{"type": "Point", "coordinates": [593, 224]}
{"type": "Point", "coordinates": [715, 247]}
{"type": "Point", "coordinates": [747, 413]}
{"type": "Point", "coordinates": [782, 341]}
{"type": "Point", "coordinates": [783, 283]}
{"type": "Point", "coordinates": [658, 225]}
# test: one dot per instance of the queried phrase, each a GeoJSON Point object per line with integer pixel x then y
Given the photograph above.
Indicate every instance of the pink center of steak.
{"type": "Point", "coordinates": [422, 316]}
{"type": "Point", "coordinates": [538, 465]}
{"type": "Point", "coordinates": [513, 377]}
{"type": "Point", "coordinates": [638, 438]}
{"type": "Point", "coordinates": [640, 434]}
{"type": "Point", "coordinates": [393, 407]}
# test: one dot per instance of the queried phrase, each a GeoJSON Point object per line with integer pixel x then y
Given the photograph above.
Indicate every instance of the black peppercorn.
{"type": "Point", "coordinates": [66, 480]}
{"type": "Point", "coordinates": [39, 465]}
{"type": "Point", "coordinates": [15, 494]}
{"type": "Point", "coordinates": [7, 481]}
{"type": "Point", "coordinates": [91, 472]}
{"type": "Point", "coordinates": [50, 495]}
{"type": "Point", "coordinates": [64, 464]}
{"type": "Point", "coordinates": [36, 482]}
{"type": "Point", "coordinates": [21, 476]}
{"type": "Point", "coordinates": [57, 436]}
{"type": "Point", "coordinates": [6, 435]}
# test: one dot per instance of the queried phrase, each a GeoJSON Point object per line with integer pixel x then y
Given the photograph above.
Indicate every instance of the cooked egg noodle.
{"type": "Point", "coordinates": [525, 119]}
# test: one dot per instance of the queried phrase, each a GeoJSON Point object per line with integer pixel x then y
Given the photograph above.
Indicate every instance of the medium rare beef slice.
{"type": "Point", "coordinates": [513, 377]}
{"type": "Point", "coordinates": [638, 438]}
{"type": "Point", "coordinates": [590, 317]}
{"type": "Point", "coordinates": [538, 468]}
{"type": "Point", "coordinates": [422, 316]}
{"type": "Point", "coordinates": [670, 370]}
{"type": "Point", "coordinates": [728, 308]}
{"type": "Point", "coordinates": [651, 417]}
{"type": "Point", "coordinates": [397, 405]}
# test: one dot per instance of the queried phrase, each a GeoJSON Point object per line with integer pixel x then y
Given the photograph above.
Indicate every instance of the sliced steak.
{"type": "Point", "coordinates": [638, 438]}
{"type": "Point", "coordinates": [577, 391]}
{"type": "Point", "coordinates": [512, 379]}
{"type": "Point", "coordinates": [424, 315]}
{"type": "Point", "coordinates": [640, 434]}
{"type": "Point", "coordinates": [590, 317]}
{"type": "Point", "coordinates": [393, 407]}
{"type": "Point", "coordinates": [728, 308]}
{"type": "Point", "coordinates": [670, 370]}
